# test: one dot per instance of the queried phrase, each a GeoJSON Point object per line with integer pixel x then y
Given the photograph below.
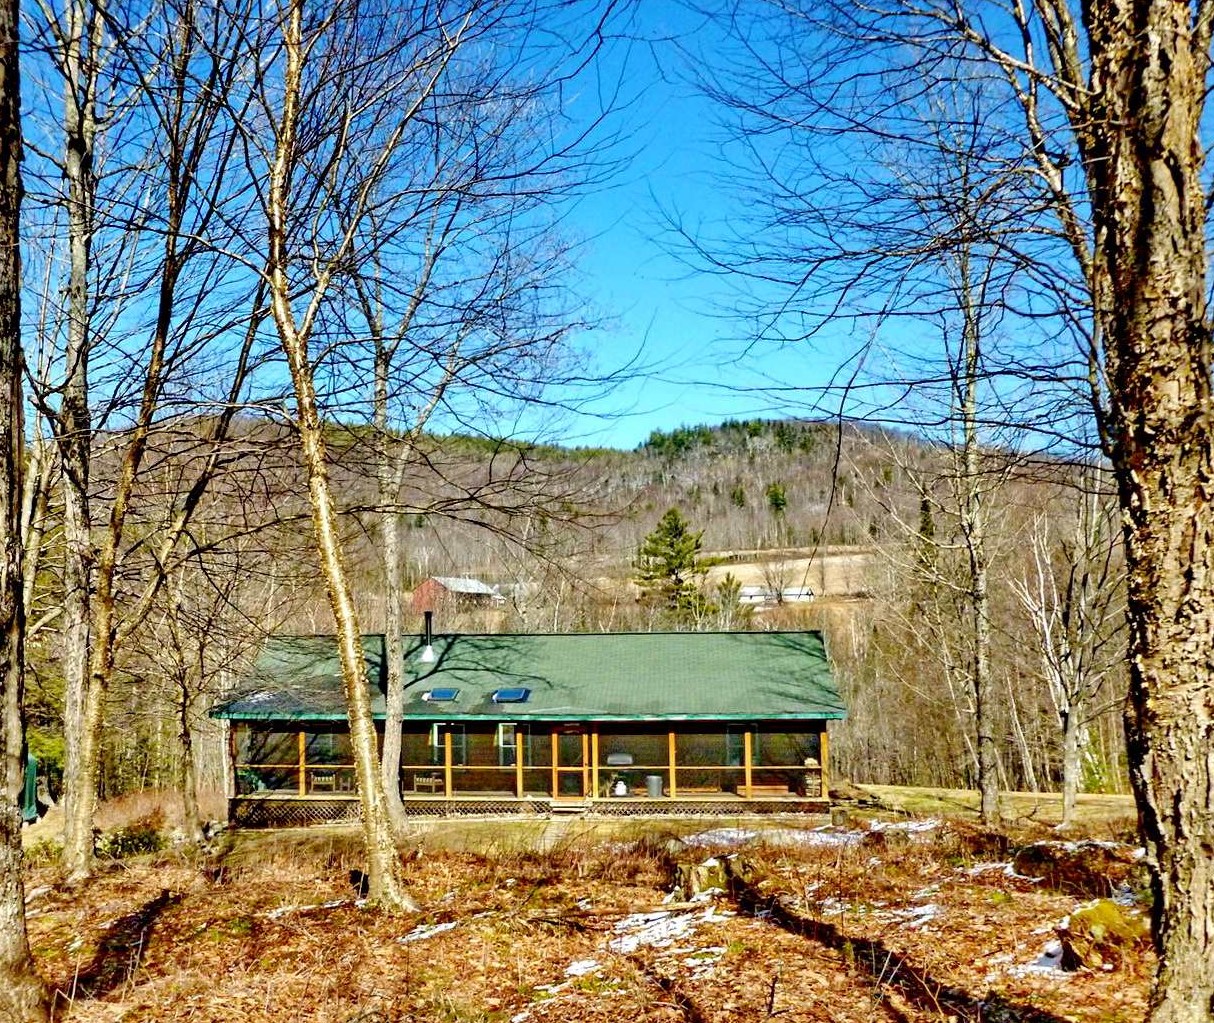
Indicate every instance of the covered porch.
{"type": "Point", "coordinates": [616, 768]}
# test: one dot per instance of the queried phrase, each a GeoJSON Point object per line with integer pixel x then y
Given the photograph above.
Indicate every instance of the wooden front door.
{"type": "Point", "coordinates": [570, 762]}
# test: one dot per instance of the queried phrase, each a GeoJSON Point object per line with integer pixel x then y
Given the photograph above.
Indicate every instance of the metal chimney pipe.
{"type": "Point", "coordinates": [427, 654]}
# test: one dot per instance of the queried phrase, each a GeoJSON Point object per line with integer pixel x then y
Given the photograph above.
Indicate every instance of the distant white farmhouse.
{"type": "Point", "coordinates": [768, 596]}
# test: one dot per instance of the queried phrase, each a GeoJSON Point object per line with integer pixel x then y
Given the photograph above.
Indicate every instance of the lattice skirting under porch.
{"type": "Point", "coordinates": [292, 813]}
{"type": "Point", "coordinates": [284, 812]}
{"type": "Point", "coordinates": [296, 813]}
{"type": "Point", "coordinates": [705, 808]}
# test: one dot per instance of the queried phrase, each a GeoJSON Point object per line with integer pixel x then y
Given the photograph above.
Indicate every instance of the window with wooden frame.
{"type": "Point", "coordinates": [735, 746]}
{"type": "Point", "coordinates": [508, 734]}
{"type": "Point", "coordinates": [438, 744]}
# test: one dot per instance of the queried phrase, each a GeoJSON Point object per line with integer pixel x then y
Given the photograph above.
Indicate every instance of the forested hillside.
{"type": "Point", "coordinates": [868, 519]}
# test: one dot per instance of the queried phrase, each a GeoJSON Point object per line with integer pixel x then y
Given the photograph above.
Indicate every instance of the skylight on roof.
{"type": "Point", "coordinates": [441, 695]}
{"type": "Point", "coordinates": [511, 694]}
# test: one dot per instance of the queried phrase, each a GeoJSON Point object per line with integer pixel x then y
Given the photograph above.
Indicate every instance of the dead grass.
{"type": "Point", "coordinates": [118, 813]}
{"type": "Point", "coordinates": [1097, 815]}
{"type": "Point", "coordinates": [525, 928]}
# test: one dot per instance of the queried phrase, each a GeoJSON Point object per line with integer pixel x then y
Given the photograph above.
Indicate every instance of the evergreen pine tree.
{"type": "Point", "coordinates": [669, 567]}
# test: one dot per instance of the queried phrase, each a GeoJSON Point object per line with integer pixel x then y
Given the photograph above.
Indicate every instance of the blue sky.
{"type": "Point", "coordinates": [697, 360]}
{"type": "Point", "coordinates": [672, 317]}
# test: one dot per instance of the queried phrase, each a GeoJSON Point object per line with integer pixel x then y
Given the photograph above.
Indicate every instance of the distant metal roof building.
{"type": "Point", "coordinates": [454, 591]}
{"type": "Point", "coordinates": [466, 584]}
{"type": "Point", "coordinates": [730, 676]}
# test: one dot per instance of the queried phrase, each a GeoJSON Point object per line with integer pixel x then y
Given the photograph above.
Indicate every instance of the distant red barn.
{"type": "Point", "coordinates": [454, 592]}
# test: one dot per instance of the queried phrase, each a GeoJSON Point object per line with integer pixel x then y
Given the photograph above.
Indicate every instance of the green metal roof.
{"type": "Point", "coordinates": [571, 677]}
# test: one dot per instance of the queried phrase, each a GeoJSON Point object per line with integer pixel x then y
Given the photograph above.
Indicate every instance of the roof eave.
{"type": "Point", "coordinates": [816, 715]}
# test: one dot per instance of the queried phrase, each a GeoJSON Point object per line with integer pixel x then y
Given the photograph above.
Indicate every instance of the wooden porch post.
{"type": "Point", "coordinates": [585, 764]}
{"type": "Point", "coordinates": [594, 760]}
{"type": "Point", "coordinates": [556, 751]}
{"type": "Point", "coordinates": [230, 781]}
{"type": "Point", "coordinates": [824, 760]}
{"type": "Point", "coordinates": [518, 762]}
{"type": "Point", "coordinates": [303, 764]}
{"type": "Point", "coordinates": [747, 753]}
{"type": "Point", "coordinates": [447, 763]}
{"type": "Point", "coordinates": [670, 743]}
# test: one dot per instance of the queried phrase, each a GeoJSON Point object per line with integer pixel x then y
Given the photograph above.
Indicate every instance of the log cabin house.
{"type": "Point", "coordinates": [613, 724]}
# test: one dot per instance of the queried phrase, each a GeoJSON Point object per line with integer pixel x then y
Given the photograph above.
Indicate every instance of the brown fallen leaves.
{"type": "Point", "coordinates": [277, 935]}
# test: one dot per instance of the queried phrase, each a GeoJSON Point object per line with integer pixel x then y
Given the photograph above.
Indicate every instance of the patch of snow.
{"type": "Point", "coordinates": [659, 929]}
{"type": "Point", "coordinates": [1004, 868]}
{"type": "Point", "coordinates": [1124, 896]}
{"type": "Point", "coordinates": [910, 827]}
{"type": "Point", "coordinates": [519, 1017]}
{"type": "Point", "coordinates": [424, 931]}
{"type": "Point", "coordinates": [1086, 843]}
{"type": "Point", "coordinates": [775, 836]}
{"type": "Point", "coordinates": [720, 836]}
{"type": "Point", "coordinates": [832, 905]}
{"type": "Point", "coordinates": [708, 894]}
{"type": "Point", "coordinates": [983, 868]}
{"type": "Point", "coordinates": [702, 961]}
{"type": "Point", "coordinates": [817, 837]}
{"type": "Point", "coordinates": [916, 916]}
{"type": "Point", "coordinates": [1049, 963]}
{"type": "Point", "coordinates": [282, 911]}
{"type": "Point", "coordinates": [926, 893]}
{"type": "Point", "coordinates": [581, 967]}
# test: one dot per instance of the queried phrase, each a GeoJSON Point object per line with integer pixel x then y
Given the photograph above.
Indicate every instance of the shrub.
{"type": "Point", "coordinates": [141, 836]}
{"type": "Point", "coordinates": [43, 853]}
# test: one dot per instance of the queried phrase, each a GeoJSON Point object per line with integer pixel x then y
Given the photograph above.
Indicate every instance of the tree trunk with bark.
{"type": "Point", "coordinates": [383, 863]}
{"type": "Point", "coordinates": [74, 433]}
{"type": "Point", "coordinates": [973, 515]}
{"type": "Point", "coordinates": [22, 996]}
{"type": "Point", "coordinates": [1142, 150]}
{"type": "Point", "coordinates": [1070, 766]}
{"type": "Point", "coordinates": [394, 650]}
{"type": "Point", "coordinates": [187, 776]}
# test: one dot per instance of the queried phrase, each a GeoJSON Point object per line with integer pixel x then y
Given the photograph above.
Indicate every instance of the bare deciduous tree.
{"type": "Point", "coordinates": [22, 998]}
{"type": "Point", "coordinates": [1072, 596]}
{"type": "Point", "coordinates": [161, 280]}
{"type": "Point", "coordinates": [1102, 107]}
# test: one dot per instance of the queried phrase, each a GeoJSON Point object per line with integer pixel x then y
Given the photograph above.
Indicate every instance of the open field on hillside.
{"type": "Point", "coordinates": [834, 572]}
{"type": "Point", "coordinates": [902, 918]}
{"type": "Point", "coordinates": [828, 573]}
